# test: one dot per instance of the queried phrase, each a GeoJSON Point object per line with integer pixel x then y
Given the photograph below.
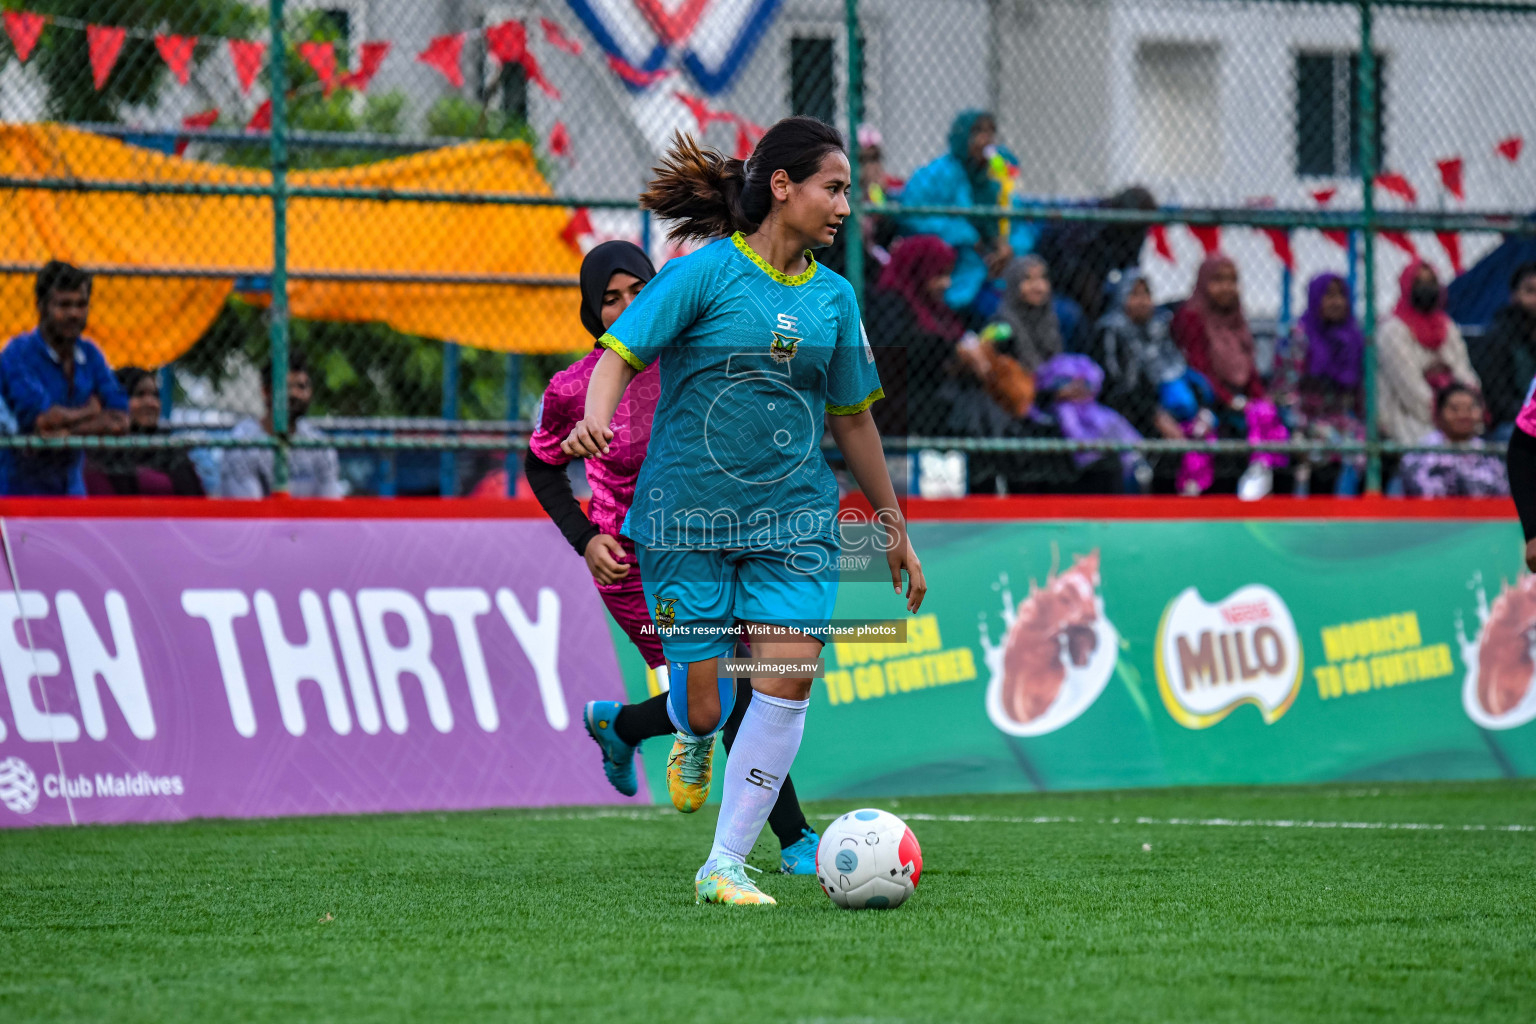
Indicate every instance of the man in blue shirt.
{"type": "Point", "coordinates": [57, 384]}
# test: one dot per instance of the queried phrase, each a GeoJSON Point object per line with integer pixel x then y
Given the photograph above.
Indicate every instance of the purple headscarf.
{"type": "Point", "coordinates": [1334, 351]}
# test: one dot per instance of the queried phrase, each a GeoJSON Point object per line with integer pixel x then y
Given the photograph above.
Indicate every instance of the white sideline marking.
{"type": "Point", "coordinates": [1230, 823]}
{"type": "Point", "coordinates": [661, 813]}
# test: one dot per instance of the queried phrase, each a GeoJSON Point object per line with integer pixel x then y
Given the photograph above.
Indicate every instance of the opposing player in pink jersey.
{"type": "Point", "coordinates": [611, 276]}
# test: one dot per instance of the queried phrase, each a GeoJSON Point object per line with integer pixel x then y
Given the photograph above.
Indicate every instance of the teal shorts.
{"type": "Point", "coordinates": [699, 599]}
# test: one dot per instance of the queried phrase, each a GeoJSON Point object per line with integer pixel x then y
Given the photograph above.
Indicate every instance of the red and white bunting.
{"type": "Point", "coordinates": [247, 56]}
{"type": "Point", "coordinates": [443, 55]}
{"type": "Point", "coordinates": [24, 28]}
{"type": "Point", "coordinates": [177, 52]}
{"type": "Point", "coordinates": [103, 43]}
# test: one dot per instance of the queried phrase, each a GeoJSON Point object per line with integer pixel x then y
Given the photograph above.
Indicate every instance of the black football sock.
{"type": "Point", "coordinates": [636, 722]}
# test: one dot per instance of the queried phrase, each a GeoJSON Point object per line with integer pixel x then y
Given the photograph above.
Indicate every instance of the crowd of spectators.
{"type": "Point", "coordinates": [1007, 330]}
{"type": "Point", "coordinates": [997, 327]}
{"type": "Point", "coordinates": [56, 383]}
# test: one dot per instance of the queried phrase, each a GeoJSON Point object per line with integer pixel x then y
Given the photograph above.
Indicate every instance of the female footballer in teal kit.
{"type": "Point", "coordinates": [735, 511]}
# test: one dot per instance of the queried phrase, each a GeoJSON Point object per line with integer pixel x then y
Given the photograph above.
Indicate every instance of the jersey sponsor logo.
{"type": "Point", "coordinates": [783, 347]}
{"type": "Point", "coordinates": [758, 777]}
{"type": "Point", "coordinates": [1213, 657]}
{"type": "Point", "coordinates": [666, 611]}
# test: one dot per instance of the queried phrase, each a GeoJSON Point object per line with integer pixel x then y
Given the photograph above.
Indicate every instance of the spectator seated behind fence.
{"type": "Point", "coordinates": [1463, 467]}
{"type": "Point", "coordinates": [57, 384]}
{"type": "Point", "coordinates": [975, 172]}
{"type": "Point", "coordinates": [1146, 379]}
{"type": "Point", "coordinates": [1419, 352]}
{"type": "Point", "coordinates": [1320, 372]}
{"type": "Point", "coordinates": [1505, 359]}
{"type": "Point", "coordinates": [149, 471]}
{"type": "Point", "coordinates": [1069, 387]}
{"type": "Point", "coordinates": [1085, 255]}
{"type": "Point", "coordinates": [1213, 334]}
{"type": "Point", "coordinates": [915, 333]}
{"type": "Point", "coordinates": [1032, 324]}
{"type": "Point", "coordinates": [312, 472]}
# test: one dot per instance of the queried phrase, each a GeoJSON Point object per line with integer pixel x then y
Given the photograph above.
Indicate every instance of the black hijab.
{"type": "Point", "coordinates": [600, 265]}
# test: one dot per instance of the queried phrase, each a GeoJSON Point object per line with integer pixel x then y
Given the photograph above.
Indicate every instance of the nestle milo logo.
{"type": "Point", "coordinates": [1211, 658]}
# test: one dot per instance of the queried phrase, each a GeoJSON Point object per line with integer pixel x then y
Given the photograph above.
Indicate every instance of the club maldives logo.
{"type": "Point", "coordinates": [1211, 658]}
{"type": "Point", "coordinates": [1498, 691]}
{"type": "Point", "coordinates": [18, 785]}
{"type": "Point", "coordinates": [1057, 654]}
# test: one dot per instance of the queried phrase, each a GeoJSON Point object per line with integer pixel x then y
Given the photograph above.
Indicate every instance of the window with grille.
{"type": "Point", "coordinates": [1328, 114]}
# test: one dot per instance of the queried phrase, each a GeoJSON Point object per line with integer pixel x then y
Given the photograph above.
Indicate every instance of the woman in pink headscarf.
{"type": "Point", "coordinates": [1419, 352]}
{"type": "Point", "coordinates": [1213, 333]}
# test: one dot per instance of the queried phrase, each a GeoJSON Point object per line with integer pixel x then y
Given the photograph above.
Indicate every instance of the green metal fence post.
{"type": "Point", "coordinates": [1368, 157]}
{"type": "Point", "coordinates": [278, 73]}
{"type": "Point", "coordinates": [853, 228]}
{"type": "Point", "coordinates": [514, 408]}
{"type": "Point", "coordinates": [448, 461]}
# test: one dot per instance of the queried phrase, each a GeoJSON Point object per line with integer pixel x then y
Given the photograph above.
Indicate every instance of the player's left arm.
{"type": "Point", "coordinates": [859, 440]}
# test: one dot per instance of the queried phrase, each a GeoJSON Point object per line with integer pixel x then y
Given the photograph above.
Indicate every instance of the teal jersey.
{"type": "Point", "coordinates": [750, 360]}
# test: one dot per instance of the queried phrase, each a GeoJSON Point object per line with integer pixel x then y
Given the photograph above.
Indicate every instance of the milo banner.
{"type": "Point", "coordinates": [1163, 653]}
{"type": "Point", "coordinates": [162, 669]}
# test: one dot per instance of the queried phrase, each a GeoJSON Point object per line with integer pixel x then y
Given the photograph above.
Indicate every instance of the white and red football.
{"type": "Point", "coordinates": [868, 859]}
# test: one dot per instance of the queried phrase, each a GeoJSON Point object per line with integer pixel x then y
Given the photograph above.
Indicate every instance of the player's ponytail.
{"type": "Point", "coordinates": [708, 194]}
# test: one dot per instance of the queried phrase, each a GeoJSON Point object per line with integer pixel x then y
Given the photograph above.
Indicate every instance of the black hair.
{"type": "Point", "coordinates": [1450, 391]}
{"type": "Point", "coordinates": [57, 275]}
{"type": "Point", "coordinates": [129, 377]}
{"type": "Point", "coordinates": [1523, 271]}
{"type": "Point", "coordinates": [297, 363]}
{"type": "Point", "coordinates": [710, 195]}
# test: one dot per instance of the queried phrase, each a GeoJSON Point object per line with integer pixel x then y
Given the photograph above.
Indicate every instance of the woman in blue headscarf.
{"type": "Point", "coordinates": [975, 172]}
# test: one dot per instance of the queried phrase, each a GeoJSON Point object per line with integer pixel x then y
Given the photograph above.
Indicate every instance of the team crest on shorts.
{"type": "Point", "coordinates": [783, 347]}
{"type": "Point", "coordinates": [666, 611]}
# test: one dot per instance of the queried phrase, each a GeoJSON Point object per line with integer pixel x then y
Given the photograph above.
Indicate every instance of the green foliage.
{"type": "Point", "coordinates": [62, 58]}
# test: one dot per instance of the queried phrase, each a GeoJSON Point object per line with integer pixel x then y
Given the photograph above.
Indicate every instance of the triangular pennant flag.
{"type": "Point", "coordinates": [535, 75]}
{"type": "Point", "coordinates": [24, 28]}
{"type": "Point", "coordinates": [1338, 238]}
{"type": "Point", "coordinates": [558, 39]}
{"type": "Point", "coordinates": [560, 140]}
{"type": "Point", "coordinates": [443, 54]}
{"type": "Point", "coordinates": [104, 43]}
{"type": "Point", "coordinates": [1280, 241]}
{"type": "Point", "coordinates": [1510, 148]}
{"type": "Point", "coordinates": [1450, 241]}
{"type": "Point", "coordinates": [702, 113]}
{"type": "Point", "coordinates": [633, 75]}
{"type": "Point", "coordinates": [579, 225]}
{"type": "Point", "coordinates": [205, 119]}
{"type": "Point", "coordinates": [1159, 235]}
{"type": "Point", "coordinates": [1402, 241]}
{"type": "Point", "coordinates": [321, 57]}
{"type": "Point", "coordinates": [1324, 196]}
{"type": "Point", "coordinates": [370, 57]}
{"type": "Point", "coordinates": [1208, 235]}
{"type": "Point", "coordinates": [1398, 185]}
{"type": "Point", "coordinates": [507, 42]}
{"type": "Point", "coordinates": [176, 51]}
{"type": "Point", "coordinates": [247, 55]}
{"type": "Point", "coordinates": [262, 119]}
{"type": "Point", "coordinates": [1451, 176]}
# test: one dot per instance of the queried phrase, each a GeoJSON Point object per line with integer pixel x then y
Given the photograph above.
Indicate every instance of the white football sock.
{"type": "Point", "coordinates": [765, 747]}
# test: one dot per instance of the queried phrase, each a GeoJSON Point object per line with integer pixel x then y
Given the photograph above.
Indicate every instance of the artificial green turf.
{"type": "Point", "coordinates": [565, 916]}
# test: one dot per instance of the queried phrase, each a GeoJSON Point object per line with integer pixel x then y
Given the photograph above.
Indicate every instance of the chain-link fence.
{"type": "Point", "coordinates": [398, 208]}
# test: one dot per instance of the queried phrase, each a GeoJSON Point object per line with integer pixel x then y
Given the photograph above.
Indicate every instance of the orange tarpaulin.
{"type": "Point", "coordinates": [151, 320]}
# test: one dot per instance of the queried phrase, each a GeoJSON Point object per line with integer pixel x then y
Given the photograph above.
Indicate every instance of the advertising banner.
{"type": "Point", "coordinates": [163, 669]}
{"type": "Point", "coordinates": [1073, 655]}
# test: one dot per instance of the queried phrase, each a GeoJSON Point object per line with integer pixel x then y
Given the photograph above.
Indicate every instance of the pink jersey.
{"type": "Point", "coordinates": [1526, 421]}
{"type": "Point", "coordinates": [611, 476]}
